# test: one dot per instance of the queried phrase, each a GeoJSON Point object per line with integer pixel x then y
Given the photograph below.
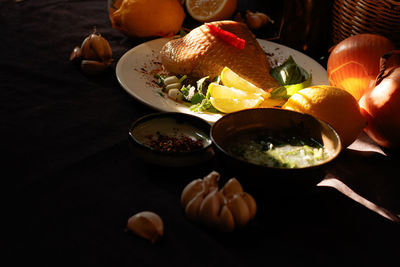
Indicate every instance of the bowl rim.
{"type": "Point", "coordinates": [171, 114]}
{"type": "Point", "coordinates": [331, 158]}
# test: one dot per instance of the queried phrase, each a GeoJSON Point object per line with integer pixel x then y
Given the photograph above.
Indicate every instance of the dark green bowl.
{"type": "Point", "coordinates": [279, 121]}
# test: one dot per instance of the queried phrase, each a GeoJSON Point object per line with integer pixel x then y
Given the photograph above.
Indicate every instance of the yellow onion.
{"type": "Point", "coordinates": [353, 64]}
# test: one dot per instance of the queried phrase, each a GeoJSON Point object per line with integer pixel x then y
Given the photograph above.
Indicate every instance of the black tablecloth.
{"type": "Point", "coordinates": [71, 182]}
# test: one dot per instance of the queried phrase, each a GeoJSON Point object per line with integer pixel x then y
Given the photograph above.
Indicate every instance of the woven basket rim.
{"type": "Point", "coordinates": [350, 17]}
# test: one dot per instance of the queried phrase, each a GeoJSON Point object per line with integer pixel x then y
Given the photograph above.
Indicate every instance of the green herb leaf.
{"type": "Point", "coordinates": [204, 105]}
{"type": "Point", "coordinates": [287, 91]}
{"type": "Point", "coordinates": [197, 98]}
{"type": "Point", "coordinates": [289, 73]}
{"type": "Point", "coordinates": [292, 78]}
{"type": "Point", "coordinates": [160, 80]}
{"type": "Point", "coordinates": [200, 85]}
{"type": "Point", "coordinates": [182, 32]}
{"type": "Point", "coordinates": [185, 91]}
{"type": "Point", "coordinates": [182, 78]}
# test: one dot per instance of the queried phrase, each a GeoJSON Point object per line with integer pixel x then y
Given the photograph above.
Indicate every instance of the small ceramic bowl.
{"type": "Point", "coordinates": [171, 139]}
{"type": "Point", "coordinates": [277, 122]}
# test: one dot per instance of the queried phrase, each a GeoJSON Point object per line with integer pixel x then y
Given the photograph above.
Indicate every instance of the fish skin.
{"type": "Point", "coordinates": [200, 54]}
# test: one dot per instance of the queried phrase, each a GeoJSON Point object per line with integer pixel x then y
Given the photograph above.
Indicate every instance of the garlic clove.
{"type": "Point", "coordinates": [76, 54]}
{"type": "Point", "coordinates": [251, 204]}
{"type": "Point", "coordinates": [239, 209]}
{"type": "Point", "coordinates": [211, 180]}
{"type": "Point", "coordinates": [232, 187]}
{"type": "Point", "coordinates": [210, 208]}
{"type": "Point", "coordinates": [92, 67]}
{"type": "Point", "coordinates": [191, 190]}
{"type": "Point", "coordinates": [226, 221]}
{"type": "Point", "coordinates": [87, 51]}
{"type": "Point", "coordinates": [193, 207]}
{"type": "Point", "coordinates": [146, 224]}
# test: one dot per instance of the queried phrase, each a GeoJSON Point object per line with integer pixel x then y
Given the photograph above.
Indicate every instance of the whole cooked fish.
{"type": "Point", "coordinates": [200, 53]}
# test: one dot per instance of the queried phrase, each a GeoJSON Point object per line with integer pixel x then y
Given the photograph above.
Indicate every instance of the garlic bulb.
{"type": "Point", "coordinates": [95, 47]}
{"type": "Point", "coordinates": [94, 55]}
{"type": "Point", "coordinates": [224, 209]}
{"type": "Point", "coordinates": [256, 20]}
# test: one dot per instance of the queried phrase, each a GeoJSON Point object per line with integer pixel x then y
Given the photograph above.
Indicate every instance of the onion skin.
{"type": "Point", "coordinates": [381, 107]}
{"type": "Point", "coordinates": [354, 62]}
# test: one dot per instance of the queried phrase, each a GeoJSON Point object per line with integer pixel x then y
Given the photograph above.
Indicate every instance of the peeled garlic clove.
{"type": "Point", "coordinates": [191, 190]}
{"type": "Point", "coordinates": [92, 67]}
{"type": "Point", "coordinates": [146, 224]}
{"type": "Point", "coordinates": [251, 204]}
{"type": "Point", "coordinates": [240, 210]}
{"type": "Point", "coordinates": [232, 187]}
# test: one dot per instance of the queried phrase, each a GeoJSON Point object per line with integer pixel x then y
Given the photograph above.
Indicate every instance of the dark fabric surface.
{"type": "Point", "coordinates": [71, 182]}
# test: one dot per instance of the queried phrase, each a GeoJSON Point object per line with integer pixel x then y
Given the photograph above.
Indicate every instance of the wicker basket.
{"type": "Point", "coordinates": [366, 16]}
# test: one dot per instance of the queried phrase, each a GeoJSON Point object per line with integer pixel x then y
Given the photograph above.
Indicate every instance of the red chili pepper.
{"type": "Point", "coordinates": [227, 37]}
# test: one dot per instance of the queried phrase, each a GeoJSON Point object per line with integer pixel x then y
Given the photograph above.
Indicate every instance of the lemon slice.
{"type": "Point", "coordinates": [221, 91]}
{"type": "Point", "coordinates": [228, 99]}
{"type": "Point", "coordinates": [211, 10]}
{"type": "Point", "coordinates": [230, 78]}
{"type": "Point", "coordinates": [228, 105]}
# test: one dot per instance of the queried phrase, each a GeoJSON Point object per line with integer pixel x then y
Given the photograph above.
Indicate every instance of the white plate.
{"type": "Point", "coordinates": [136, 68]}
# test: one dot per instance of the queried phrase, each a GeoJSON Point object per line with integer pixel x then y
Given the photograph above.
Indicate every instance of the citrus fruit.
{"type": "Point", "coordinates": [211, 10]}
{"type": "Point", "coordinates": [272, 103]}
{"type": "Point", "coordinates": [230, 78]}
{"type": "Point", "coordinates": [228, 99]}
{"type": "Point", "coordinates": [332, 105]}
{"type": "Point", "coordinates": [148, 18]}
{"type": "Point", "coordinates": [113, 5]}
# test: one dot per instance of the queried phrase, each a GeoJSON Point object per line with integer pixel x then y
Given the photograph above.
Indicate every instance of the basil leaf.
{"type": "Point", "coordinates": [293, 88]}
{"type": "Point", "coordinates": [287, 91]}
{"type": "Point", "coordinates": [292, 78]}
{"type": "Point", "coordinates": [289, 73]}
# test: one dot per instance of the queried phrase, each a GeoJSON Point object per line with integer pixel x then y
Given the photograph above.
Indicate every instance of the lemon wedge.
{"type": "Point", "coordinates": [230, 78]}
{"type": "Point", "coordinates": [229, 99]}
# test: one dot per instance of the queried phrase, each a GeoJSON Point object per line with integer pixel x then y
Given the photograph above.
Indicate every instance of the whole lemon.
{"type": "Point", "coordinates": [148, 18]}
{"type": "Point", "coordinates": [332, 105]}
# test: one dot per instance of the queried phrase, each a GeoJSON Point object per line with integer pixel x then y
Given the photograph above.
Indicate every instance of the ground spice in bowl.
{"type": "Point", "coordinates": [171, 139]}
{"type": "Point", "coordinates": [166, 143]}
